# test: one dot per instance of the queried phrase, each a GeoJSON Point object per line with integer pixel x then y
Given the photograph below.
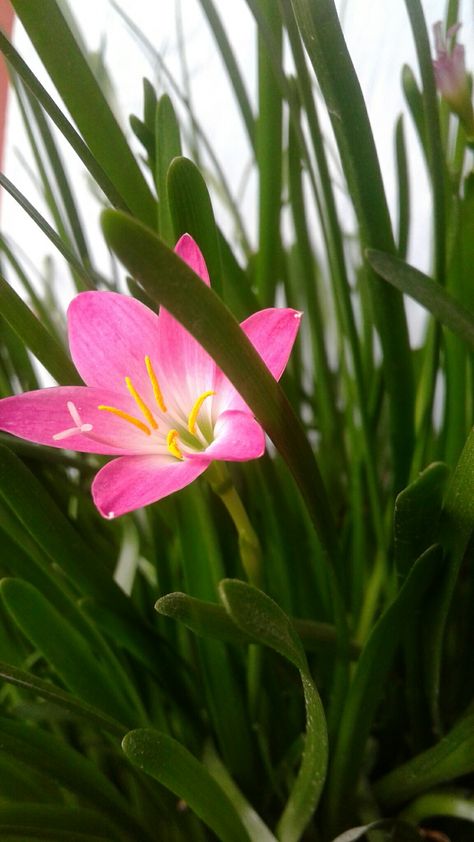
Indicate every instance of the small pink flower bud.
{"type": "Point", "coordinates": [451, 77]}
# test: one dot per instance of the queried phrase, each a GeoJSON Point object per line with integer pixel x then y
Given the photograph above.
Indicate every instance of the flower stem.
{"type": "Point", "coordinates": [249, 545]}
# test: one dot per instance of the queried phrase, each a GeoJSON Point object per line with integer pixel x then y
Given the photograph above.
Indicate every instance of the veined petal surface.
{"type": "Point", "coordinates": [131, 482]}
{"type": "Point", "coordinates": [109, 337]}
{"type": "Point", "coordinates": [272, 332]}
{"type": "Point", "coordinates": [38, 416]}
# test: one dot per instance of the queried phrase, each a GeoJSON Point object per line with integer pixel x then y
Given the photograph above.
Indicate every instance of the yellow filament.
{"type": "Point", "coordinates": [195, 411]}
{"type": "Point", "coordinates": [172, 445]}
{"type": "Point", "coordinates": [154, 383]}
{"type": "Point", "coordinates": [126, 417]}
{"type": "Point", "coordinates": [141, 403]}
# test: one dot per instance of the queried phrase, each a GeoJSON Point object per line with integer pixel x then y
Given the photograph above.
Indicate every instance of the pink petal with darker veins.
{"type": "Point", "coordinates": [185, 367]}
{"type": "Point", "coordinates": [39, 416]}
{"type": "Point", "coordinates": [131, 482]}
{"type": "Point", "coordinates": [109, 336]}
{"type": "Point", "coordinates": [272, 332]}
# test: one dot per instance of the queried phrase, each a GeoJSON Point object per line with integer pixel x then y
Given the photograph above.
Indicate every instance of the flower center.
{"type": "Point", "coordinates": [172, 436]}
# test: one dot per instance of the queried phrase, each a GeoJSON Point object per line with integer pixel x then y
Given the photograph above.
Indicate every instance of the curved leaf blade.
{"type": "Point", "coordinates": [426, 292]}
{"type": "Point", "coordinates": [166, 760]}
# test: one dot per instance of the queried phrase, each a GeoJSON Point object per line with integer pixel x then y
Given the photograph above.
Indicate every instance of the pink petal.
{"type": "Point", "coordinates": [238, 437]}
{"type": "Point", "coordinates": [272, 332]}
{"type": "Point", "coordinates": [131, 482]}
{"type": "Point", "coordinates": [40, 415]}
{"type": "Point", "coordinates": [109, 336]}
{"type": "Point", "coordinates": [186, 369]}
{"type": "Point", "coordinates": [188, 251]}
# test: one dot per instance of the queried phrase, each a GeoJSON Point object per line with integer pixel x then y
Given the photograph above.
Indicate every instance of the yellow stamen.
{"type": "Point", "coordinates": [154, 383]}
{"type": "Point", "coordinates": [126, 417]}
{"type": "Point", "coordinates": [195, 411]}
{"type": "Point", "coordinates": [141, 404]}
{"type": "Point", "coordinates": [172, 445]}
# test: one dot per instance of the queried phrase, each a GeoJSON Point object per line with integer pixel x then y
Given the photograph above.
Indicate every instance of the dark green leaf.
{"type": "Point", "coordinates": [46, 690]}
{"type": "Point", "coordinates": [167, 146]}
{"type": "Point", "coordinates": [258, 615]}
{"type": "Point", "coordinates": [63, 647]}
{"type": "Point", "coordinates": [417, 511]}
{"type": "Point", "coordinates": [369, 681]}
{"type": "Point", "coordinates": [327, 49]}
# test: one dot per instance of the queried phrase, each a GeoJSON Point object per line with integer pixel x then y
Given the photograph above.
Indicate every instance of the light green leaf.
{"type": "Point", "coordinates": [426, 292]}
{"type": "Point", "coordinates": [170, 763]}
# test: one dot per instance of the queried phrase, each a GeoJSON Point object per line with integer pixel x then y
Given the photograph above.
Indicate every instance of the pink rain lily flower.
{"type": "Point", "coordinates": [450, 74]}
{"type": "Point", "coordinates": [154, 398]}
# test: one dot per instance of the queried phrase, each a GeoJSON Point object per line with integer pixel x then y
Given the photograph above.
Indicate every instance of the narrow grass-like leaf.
{"type": "Point", "coordinates": [35, 336]}
{"type": "Point", "coordinates": [426, 292]}
{"type": "Point", "coordinates": [61, 179]}
{"type": "Point", "coordinates": [167, 147]}
{"type": "Point", "coordinates": [86, 102]}
{"type": "Point", "coordinates": [191, 212]}
{"type": "Point", "coordinates": [256, 614]}
{"type": "Point", "coordinates": [63, 647]}
{"type": "Point", "coordinates": [48, 818]}
{"type": "Point", "coordinates": [256, 828]}
{"type": "Point", "coordinates": [203, 569]}
{"type": "Point", "coordinates": [171, 283]}
{"type": "Point", "coordinates": [455, 531]}
{"type": "Point", "coordinates": [417, 511]}
{"type": "Point", "coordinates": [48, 526]}
{"type": "Point", "coordinates": [269, 155]}
{"type": "Point", "coordinates": [368, 684]}
{"type": "Point", "coordinates": [433, 133]}
{"type": "Point", "coordinates": [399, 831]}
{"type": "Point", "coordinates": [47, 753]}
{"type": "Point", "coordinates": [63, 124]}
{"type": "Point", "coordinates": [403, 189]}
{"type": "Point", "coordinates": [147, 648]}
{"type": "Point", "coordinates": [450, 804]}
{"type": "Point", "coordinates": [327, 50]}
{"type": "Point", "coordinates": [451, 758]}
{"type": "Point", "coordinates": [166, 760]}
{"type": "Point", "coordinates": [46, 690]}
{"type": "Point", "coordinates": [69, 256]}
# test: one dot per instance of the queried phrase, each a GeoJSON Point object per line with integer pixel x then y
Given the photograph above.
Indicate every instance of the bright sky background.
{"type": "Point", "coordinates": [380, 42]}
